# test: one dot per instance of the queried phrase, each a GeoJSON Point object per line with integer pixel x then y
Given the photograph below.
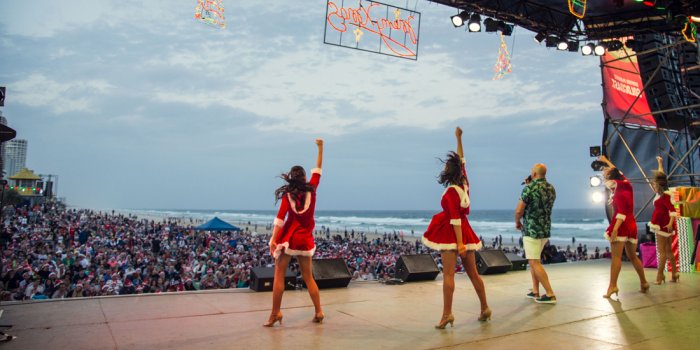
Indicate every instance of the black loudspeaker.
{"type": "Point", "coordinates": [331, 273]}
{"type": "Point", "coordinates": [492, 261]}
{"type": "Point", "coordinates": [261, 279]}
{"type": "Point", "coordinates": [519, 263]}
{"type": "Point", "coordinates": [420, 267]}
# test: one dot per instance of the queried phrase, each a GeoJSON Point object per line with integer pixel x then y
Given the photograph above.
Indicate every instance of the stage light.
{"type": "Point", "coordinates": [695, 18]}
{"type": "Point", "coordinates": [491, 25]}
{"type": "Point", "coordinates": [551, 41]}
{"type": "Point", "coordinates": [573, 46]}
{"type": "Point", "coordinates": [597, 197]}
{"type": "Point", "coordinates": [475, 23]}
{"type": "Point", "coordinates": [562, 45]}
{"type": "Point", "coordinates": [587, 49]}
{"type": "Point", "coordinates": [649, 3]}
{"type": "Point", "coordinates": [596, 181]}
{"type": "Point", "coordinates": [505, 28]}
{"type": "Point", "coordinates": [540, 37]}
{"type": "Point", "coordinates": [614, 45]}
{"type": "Point", "coordinates": [458, 20]}
{"type": "Point", "coordinates": [599, 49]}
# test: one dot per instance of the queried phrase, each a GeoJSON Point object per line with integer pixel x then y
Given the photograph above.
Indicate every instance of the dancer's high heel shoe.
{"type": "Point", "coordinates": [644, 287]}
{"type": "Point", "coordinates": [661, 281]}
{"type": "Point", "coordinates": [318, 318]}
{"type": "Point", "coordinates": [273, 319]}
{"type": "Point", "coordinates": [611, 292]}
{"type": "Point", "coordinates": [675, 278]}
{"type": "Point", "coordinates": [445, 320]}
{"type": "Point", "coordinates": [485, 315]}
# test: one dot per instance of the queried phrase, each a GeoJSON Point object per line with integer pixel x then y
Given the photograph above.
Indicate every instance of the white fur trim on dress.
{"type": "Point", "coordinates": [278, 222]}
{"type": "Point", "coordinates": [621, 239]}
{"type": "Point", "coordinates": [448, 246]}
{"type": "Point", "coordinates": [316, 171]}
{"type": "Point", "coordinates": [457, 222]}
{"type": "Point", "coordinates": [307, 203]}
{"type": "Point", "coordinates": [672, 214]}
{"type": "Point", "coordinates": [621, 217]}
{"type": "Point", "coordinates": [284, 248]}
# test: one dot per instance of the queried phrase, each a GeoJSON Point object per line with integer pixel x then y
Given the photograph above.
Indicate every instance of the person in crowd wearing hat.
{"type": "Point", "coordinates": [61, 290]}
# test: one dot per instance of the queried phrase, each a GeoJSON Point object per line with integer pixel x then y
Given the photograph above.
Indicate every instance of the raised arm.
{"type": "Point", "coordinates": [607, 161]}
{"type": "Point", "coordinates": [458, 134]}
{"type": "Point", "coordinates": [319, 158]}
{"type": "Point", "coordinates": [661, 164]}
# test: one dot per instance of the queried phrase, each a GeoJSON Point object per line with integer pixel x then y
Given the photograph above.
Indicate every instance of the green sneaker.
{"type": "Point", "coordinates": [532, 295]}
{"type": "Point", "coordinates": [545, 299]}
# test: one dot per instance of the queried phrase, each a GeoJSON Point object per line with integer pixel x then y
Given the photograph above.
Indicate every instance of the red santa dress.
{"type": "Point", "coordinates": [661, 217]}
{"type": "Point", "coordinates": [455, 207]}
{"type": "Point", "coordinates": [296, 233]}
{"type": "Point", "coordinates": [622, 201]}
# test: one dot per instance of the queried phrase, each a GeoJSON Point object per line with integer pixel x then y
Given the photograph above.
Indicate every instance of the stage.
{"type": "Point", "coordinates": [370, 315]}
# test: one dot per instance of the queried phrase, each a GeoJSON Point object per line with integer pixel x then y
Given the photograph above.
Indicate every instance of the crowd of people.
{"type": "Point", "coordinates": [52, 252]}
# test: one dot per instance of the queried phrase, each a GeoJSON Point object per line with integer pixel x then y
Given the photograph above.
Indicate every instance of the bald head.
{"type": "Point", "coordinates": [539, 171]}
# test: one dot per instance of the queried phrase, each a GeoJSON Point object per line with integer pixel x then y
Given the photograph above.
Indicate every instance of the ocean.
{"type": "Point", "coordinates": [586, 225]}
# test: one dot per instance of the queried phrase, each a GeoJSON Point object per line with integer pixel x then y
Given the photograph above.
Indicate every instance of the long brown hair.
{"type": "Point", "coordinates": [295, 184]}
{"type": "Point", "coordinates": [452, 173]}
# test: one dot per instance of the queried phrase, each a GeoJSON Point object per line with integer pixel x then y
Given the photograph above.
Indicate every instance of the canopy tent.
{"type": "Point", "coordinates": [216, 224]}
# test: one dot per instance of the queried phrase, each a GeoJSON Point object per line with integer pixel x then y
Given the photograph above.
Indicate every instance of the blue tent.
{"type": "Point", "coordinates": [216, 224]}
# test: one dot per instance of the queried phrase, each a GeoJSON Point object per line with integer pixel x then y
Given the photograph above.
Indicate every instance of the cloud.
{"type": "Point", "coordinates": [61, 97]}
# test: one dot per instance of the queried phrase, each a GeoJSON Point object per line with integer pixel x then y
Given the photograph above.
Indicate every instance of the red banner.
{"type": "Point", "coordinates": [621, 86]}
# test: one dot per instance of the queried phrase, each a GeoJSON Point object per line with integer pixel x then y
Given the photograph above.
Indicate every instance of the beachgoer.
{"type": "Point", "coordinates": [622, 232]}
{"type": "Point", "coordinates": [294, 237]}
{"type": "Point", "coordinates": [450, 233]}
{"type": "Point", "coordinates": [533, 216]}
{"type": "Point", "coordinates": [663, 224]}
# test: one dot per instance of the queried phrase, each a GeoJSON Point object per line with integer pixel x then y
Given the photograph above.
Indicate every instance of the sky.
{"type": "Point", "coordinates": [135, 104]}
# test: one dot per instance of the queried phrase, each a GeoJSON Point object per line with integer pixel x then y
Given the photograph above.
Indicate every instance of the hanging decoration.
{"type": "Point", "coordinates": [211, 12]}
{"type": "Point", "coordinates": [690, 31]}
{"type": "Point", "coordinates": [503, 65]}
{"type": "Point", "coordinates": [577, 8]}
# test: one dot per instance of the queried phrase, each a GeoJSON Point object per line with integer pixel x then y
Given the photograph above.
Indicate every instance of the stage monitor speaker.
{"type": "Point", "coordinates": [519, 263]}
{"type": "Point", "coordinates": [261, 279]}
{"type": "Point", "coordinates": [419, 267]}
{"type": "Point", "coordinates": [331, 273]}
{"type": "Point", "coordinates": [492, 261]}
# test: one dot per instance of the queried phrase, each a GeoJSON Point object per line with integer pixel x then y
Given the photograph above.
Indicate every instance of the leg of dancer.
{"type": "Point", "coordinates": [661, 248]}
{"type": "Point", "coordinates": [281, 264]}
{"type": "Point", "coordinates": [449, 261]}
{"type": "Point", "coordinates": [469, 263]}
{"type": "Point", "coordinates": [631, 250]}
{"type": "Point", "coordinates": [616, 249]}
{"type": "Point", "coordinates": [307, 275]}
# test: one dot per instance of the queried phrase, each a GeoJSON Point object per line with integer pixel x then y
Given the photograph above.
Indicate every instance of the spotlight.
{"type": "Point", "coordinates": [562, 45]}
{"type": "Point", "coordinates": [551, 41]}
{"type": "Point", "coordinates": [573, 46]}
{"type": "Point", "coordinates": [506, 29]}
{"type": "Point", "coordinates": [540, 37]}
{"type": "Point", "coordinates": [475, 23]}
{"type": "Point", "coordinates": [649, 3]}
{"type": "Point", "coordinates": [595, 181]}
{"type": "Point", "coordinates": [597, 165]}
{"type": "Point", "coordinates": [597, 197]}
{"type": "Point", "coordinates": [695, 18]}
{"type": "Point", "coordinates": [458, 20]}
{"type": "Point", "coordinates": [594, 151]}
{"type": "Point", "coordinates": [587, 49]}
{"type": "Point", "coordinates": [491, 25]}
{"type": "Point", "coordinates": [599, 49]}
{"type": "Point", "coordinates": [614, 45]}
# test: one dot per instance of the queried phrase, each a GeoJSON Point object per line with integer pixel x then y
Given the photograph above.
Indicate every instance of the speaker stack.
{"type": "Point", "coordinates": [261, 279]}
{"type": "Point", "coordinates": [419, 267]}
{"type": "Point", "coordinates": [518, 262]}
{"type": "Point", "coordinates": [492, 261]}
{"type": "Point", "coordinates": [331, 273]}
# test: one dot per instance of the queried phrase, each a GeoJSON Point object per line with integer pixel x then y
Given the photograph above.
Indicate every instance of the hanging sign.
{"type": "Point", "coordinates": [211, 12]}
{"type": "Point", "coordinates": [372, 26]}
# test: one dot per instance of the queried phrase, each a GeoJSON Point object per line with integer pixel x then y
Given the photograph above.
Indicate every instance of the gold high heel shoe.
{"type": "Point", "coordinates": [675, 278]}
{"type": "Point", "coordinates": [318, 318]}
{"type": "Point", "coordinates": [660, 281]}
{"type": "Point", "coordinates": [485, 315]}
{"type": "Point", "coordinates": [273, 319]}
{"type": "Point", "coordinates": [611, 292]}
{"type": "Point", "coordinates": [445, 320]}
{"type": "Point", "coordinates": [644, 288]}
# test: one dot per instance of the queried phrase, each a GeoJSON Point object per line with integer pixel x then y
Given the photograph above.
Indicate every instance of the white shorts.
{"type": "Point", "coordinates": [533, 247]}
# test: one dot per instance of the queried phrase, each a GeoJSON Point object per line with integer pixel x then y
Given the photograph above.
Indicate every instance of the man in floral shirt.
{"type": "Point", "coordinates": [535, 208]}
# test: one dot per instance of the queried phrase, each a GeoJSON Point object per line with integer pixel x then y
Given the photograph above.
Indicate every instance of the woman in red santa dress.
{"type": "Point", "coordinates": [663, 224]}
{"type": "Point", "coordinates": [294, 236]}
{"type": "Point", "coordinates": [450, 233]}
{"type": "Point", "coordinates": [622, 232]}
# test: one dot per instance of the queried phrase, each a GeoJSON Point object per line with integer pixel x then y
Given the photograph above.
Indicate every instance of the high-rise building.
{"type": "Point", "coordinates": [15, 156]}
